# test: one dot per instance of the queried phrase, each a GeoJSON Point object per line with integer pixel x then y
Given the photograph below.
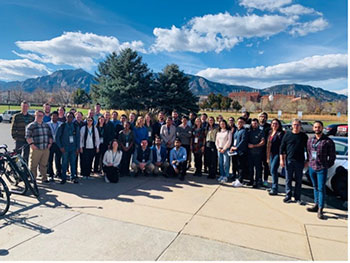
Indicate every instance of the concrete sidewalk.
{"type": "Point", "coordinates": [166, 219]}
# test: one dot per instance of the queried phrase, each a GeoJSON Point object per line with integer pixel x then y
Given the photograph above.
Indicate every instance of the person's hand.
{"type": "Point", "coordinates": [250, 146]}
{"type": "Point", "coordinates": [81, 150]}
{"type": "Point", "coordinates": [158, 164]}
{"type": "Point", "coordinates": [62, 150]}
{"type": "Point", "coordinates": [49, 145]}
{"type": "Point", "coordinates": [173, 162]}
{"type": "Point", "coordinates": [202, 149]}
{"type": "Point", "coordinates": [97, 150]}
{"type": "Point", "coordinates": [282, 164]}
{"type": "Point", "coordinates": [77, 152]}
{"type": "Point", "coordinates": [176, 170]}
{"type": "Point", "coordinates": [33, 147]}
{"type": "Point", "coordinates": [110, 164]}
{"type": "Point", "coordinates": [306, 164]}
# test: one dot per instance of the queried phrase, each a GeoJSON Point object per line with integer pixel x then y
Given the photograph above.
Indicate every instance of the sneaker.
{"type": "Point", "coordinates": [320, 214]}
{"type": "Point", "coordinates": [75, 180]}
{"type": "Point", "coordinates": [271, 192]}
{"type": "Point", "coordinates": [106, 180]}
{"type": "Point", "coordinates": [265, 184]}
{"type": "Point", "coordinates": [237, 183]}
{"type": "Point", "coordinates": [249, 183]}
{"type": "Point", "coordinates": [287, 200]}
{"type": "Point", "coordinates": [63, 182]}
{"type": "Point", "coordinates": [220, 178]}
{"type": "Point", "coordinates": [223, 180]}
{"type": "Point", "coordinates": [52, 179]}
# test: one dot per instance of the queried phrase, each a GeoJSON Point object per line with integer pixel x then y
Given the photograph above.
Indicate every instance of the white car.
{"type": "Point", "coordinates": [8, 114]}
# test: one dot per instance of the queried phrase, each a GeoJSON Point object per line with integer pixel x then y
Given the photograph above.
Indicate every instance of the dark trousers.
{"type": "Point", "coordinates": [255, 162]}
{"type": "Point", "coordinates": [182, 169]}
{"type": "Point", "coordinates": [294, 170]}
{"type": "Point", "coordinates": [234, 166]}
{"type": "Point", "coordinates": [188, 153]}
{"type": "Point", "coordinates": [24, 152]}
{"type": "Point", "coordinates": [241, 165]}
{"type": "Point", "coordinates": [211, 159]}
{"type": "Point", "coordinates": [125, 162]}
{"type": "Point", "coordinates": [54, 151]}
{"type": "Point", "coordinates": [99, 158]}
{"type": "Point", "coordinates": [265, 165]}
{"type": "Point", "coordinates": [88, 157]}
{"type": "Point", "coordinates": [112, 173]}
{"type": "Point", "coordinates": [198, 163]}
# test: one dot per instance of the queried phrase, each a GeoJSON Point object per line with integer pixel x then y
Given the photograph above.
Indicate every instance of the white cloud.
{"type": "Point", "coordinates": [264, 4]}
{"type": "Point", "coordinates": [298, 10]}
{"type": "Point", "coordinates": [303, 29]}
{"type": "Point", "coordinates": [315, 68]}
{"type": "Point", "coordinates": [80, 50]}
{"type": "Point", "coordinates": [20, 69]}
{"type": "Point", "coordinates": [217, 32]}
{"type": "Point", "coordinates": [261, 52]}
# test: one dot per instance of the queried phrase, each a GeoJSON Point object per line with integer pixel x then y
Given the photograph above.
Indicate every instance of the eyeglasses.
{"type": "Point", "coordinates": [89, 120]}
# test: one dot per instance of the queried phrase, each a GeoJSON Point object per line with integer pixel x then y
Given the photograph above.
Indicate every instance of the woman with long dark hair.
{"type": "Point", "coordinates": [111, 162]}
{"type": "Point", "coordinates": [197, 145]}
{"type": "Point", "coordinates": [126, 142]}
{"type": "Point", "coordinates": [274, 140]}
{"type": "Point", "coordinates": [211, 154]}
{"type": "Point", "coordinates": [223, 143]}
{"type": "Point", "coordinates": [149, 127]}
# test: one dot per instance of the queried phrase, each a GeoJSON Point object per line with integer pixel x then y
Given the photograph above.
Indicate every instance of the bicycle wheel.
{"type": "Point", "coordinates": [16, 183]}
{"type": "Point", "coordinates": [4, 198]}
{"type": "Point", "coordinates": [29, 179]}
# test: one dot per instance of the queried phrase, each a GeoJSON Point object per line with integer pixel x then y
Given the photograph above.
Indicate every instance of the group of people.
{"type": "Point", "coordinates": [116, 146]}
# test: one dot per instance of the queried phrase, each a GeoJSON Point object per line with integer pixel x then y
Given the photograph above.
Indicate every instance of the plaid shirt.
{"type": "Point", "coordinates": [325, 152]}
{"type": "Point", "coordinates": [39, 133]}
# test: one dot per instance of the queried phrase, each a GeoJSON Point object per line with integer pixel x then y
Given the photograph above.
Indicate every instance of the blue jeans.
{"type": "Point", "coordinates": [318, 179]}
{"type": "Point", "coordinates": [224, 164]}
{"type": "Point", "coordinates": [274, 164]}
{"type": "Point", "coordinates": [294, 169]}
{"type": "Point", "coordinates": [69, 156]}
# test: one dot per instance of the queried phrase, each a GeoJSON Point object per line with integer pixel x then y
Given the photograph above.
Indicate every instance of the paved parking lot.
{"type": "Point", "coordinates": [166, 219]}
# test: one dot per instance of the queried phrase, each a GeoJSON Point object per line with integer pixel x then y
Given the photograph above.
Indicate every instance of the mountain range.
{"type": "Point", "coordinates": [72, 79]}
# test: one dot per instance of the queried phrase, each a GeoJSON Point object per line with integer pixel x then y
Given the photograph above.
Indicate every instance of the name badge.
{"type": "Point", "coordinates": [195, 139]}
{"type": "Point", "coordinates": [101, 140]}
{"type": "Point", "coordinates": [313, 155]}
{"type": "Point", "coordinates": [127, 145]}
{"type": "Point", "coordinates": [149, 134]}
{"type": "Point", "coordinates": [235, 142]}
{"type": "Point", "coordinates": [71, 139]}
{"type": "Point", "coordinates": [261, 128]}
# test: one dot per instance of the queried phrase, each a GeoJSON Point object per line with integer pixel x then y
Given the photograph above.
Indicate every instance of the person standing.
{"type": "Point", "coordinates": [293, 148]}
{"type": "Point", "coordinates": [233, 128]}
{"type": "Point", "coordinates": [264, 126]}
{"type": "Point", "coordinates": [274, 140]}
{"type": "Point", "coordinates": [55, 151]}
{"type": "Point", "coordinates": [223, 143]}
{"type": "Point", "coordinates": [256, 142]}
{"type": "Point", "coordinates": [178, 160]}
{"type": "Point", "coordinates": [115, 120]}
{"type": "Point", "coordinates": [62, 114]}
{"type": "Point", "coordinates": [89, 146]}
{"type": "Point", "coordinates": [140, 131]}
{"type": "Point", "coordinates": [104, 137]}
{"type": "Point", "coordinates": [79, 121]}
{"type": "Point", "coordinates": [240, 148]}
{"type": "Point", "coordinates": [126, 141]}
{"type": "Point", "coordinates": [18, 129]}
{"type": "Point", "coordinates": [176, 119]}
{"type": "Point", "coordinates": [47, 112]}
{"type": "Point", "coordinates": [149, 127]}
{"type": "Point", "coordinates": [97, 112]}
{"type": "Point", "coordinates": [184, 133]}
{"type": "Point", "coordinates": [132, 120]}
{"type": "Point", "coordinates": [197, 145]}
{"type": "Point", "coordinates": [38, 135]}
{"type": "Point", "coordinates": [159, 157]}
{"type": "Point", "coordinates": [211, 154]}
{"type": "Point", "coordinates": [68, 140]}
{"type": "Point", "coordinates": [111, 162]}
{"type": "Point", "coordinates": [321, 155]}
{"type": "Point", "coordinates": [142, 159]}
{"type": "Point", "coordinates": [157, 125]}
{"type": "Point", "coordinates": [167, 134]}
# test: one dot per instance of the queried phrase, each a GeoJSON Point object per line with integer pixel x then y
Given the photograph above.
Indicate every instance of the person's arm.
{"type": "Point", "coordinates": [14, 128]}
{"type": "Point", "coordinates": [150, 159]}
{"type": "Point", "coordinates": [283, 152]}
{"type": "Point", "coordinates": [118, 159]}
{"type": "Point", "coordinates": [29, 137]}
{"type": "Point", "coordinates": [105, 158]}
{"type": "Point", "coordinates": [82, 131]}
{"type": "Point", "coordinates": [242, 144]}
{"type": "Point", "coordinates": [183, 155]}
{"type": "Point", "coordinates": [77, 137]}
{"type": "Point", "coordinates": [331, 153]}
{"type": "Point", "coordinates": [58, 137]}
{"type": "Point", "coordinates": [228, 141]}
{"type": "Point", "coordinates": [134, 159]}
{"type": "Point", "coordinates": [97, 139]}
{"type": "Point", "coordinates": [260, 144]}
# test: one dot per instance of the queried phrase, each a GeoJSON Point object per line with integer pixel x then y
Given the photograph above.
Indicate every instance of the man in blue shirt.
{"type": "Point", "coordinates": [178, 159]}
{"type": "Point", "coordinates": [47, 112]}
{"type": "Point", "coordinates": [68, 140]}
{"type": "Point", "coordinates": [55, 151]}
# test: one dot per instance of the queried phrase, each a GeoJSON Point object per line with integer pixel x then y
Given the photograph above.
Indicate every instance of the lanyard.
{"type": "Point", "coordinates": [114, 156]}
{"type": "Point", "coordinates": [54, 129]}
{"type": "Point", "coordinates": [314, 145]}
{"type": "Point", "coordinates": [90, 132]}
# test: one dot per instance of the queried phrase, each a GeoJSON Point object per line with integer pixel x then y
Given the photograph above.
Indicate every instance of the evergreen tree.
{"type": "Point", "coordinates": [172, 92]}
{"type": "Point", "coordinates": [123, 82]}
{"type": "Point", "coordinates": [225, 103]}
{"type": "Point", "coordinates": [80, 96]}
{"type": "Point", "coordinates": [236, 106]}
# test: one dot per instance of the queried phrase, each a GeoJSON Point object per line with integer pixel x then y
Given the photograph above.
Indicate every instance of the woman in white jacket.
{"type": "Point", "coordinates": [111, 162]}
{"type": "Point", "coordinates": [223, 143]}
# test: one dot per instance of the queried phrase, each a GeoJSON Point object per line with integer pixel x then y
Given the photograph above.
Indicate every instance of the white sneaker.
{"type": "Point", "coordinates": [223, 180]}
{"type": "Point", "coordinates": [237, 183]}
{"type": "Point", "coordinates": [220, 178]}
{"type": "Point", "coordinates": [106, 179]}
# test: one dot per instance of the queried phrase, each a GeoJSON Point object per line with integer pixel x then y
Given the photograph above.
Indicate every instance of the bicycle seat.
{"type": "Point", "coordinates": [3, 146]}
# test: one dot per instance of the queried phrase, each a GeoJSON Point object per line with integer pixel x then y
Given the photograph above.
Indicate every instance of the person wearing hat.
{"type": "Point", "coordinates": [178, 159]}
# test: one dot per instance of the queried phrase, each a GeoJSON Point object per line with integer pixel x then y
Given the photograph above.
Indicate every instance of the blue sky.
{"type": "Point", "coordinates": [258, 43]}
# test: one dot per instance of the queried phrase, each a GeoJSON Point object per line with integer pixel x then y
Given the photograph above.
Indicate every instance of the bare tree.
{"type": "Point", "coordinates": [18, 94]}
{"type": "Point", "coordinates": [63, 96]}
{"type": "Point", "coordinates": [40, 96]}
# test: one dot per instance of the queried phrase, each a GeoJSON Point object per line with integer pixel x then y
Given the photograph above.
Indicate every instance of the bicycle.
{"type": "Point", "coordinates": [17, 172]}
{"type": "Point", "coordinates": [4, 196]}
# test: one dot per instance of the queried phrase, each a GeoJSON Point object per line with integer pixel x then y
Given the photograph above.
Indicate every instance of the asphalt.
{"type": "Point", "coordinates": [165, 219]}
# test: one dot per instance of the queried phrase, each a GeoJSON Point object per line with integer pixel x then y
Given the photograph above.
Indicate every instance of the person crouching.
{"type": "Point", "coordinates": [142, 159]}
{"type": "Point", "coordinates": [111, 162]}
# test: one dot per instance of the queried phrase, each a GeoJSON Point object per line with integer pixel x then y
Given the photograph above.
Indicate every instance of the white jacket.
{"type": "Point", "coordinates": [113, 158]}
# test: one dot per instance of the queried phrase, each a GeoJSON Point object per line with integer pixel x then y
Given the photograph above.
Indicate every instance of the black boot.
{"type": "Point", "coordinates": [320, 214]}
{"type": "Point", "coordinates": [313, 209]}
